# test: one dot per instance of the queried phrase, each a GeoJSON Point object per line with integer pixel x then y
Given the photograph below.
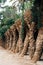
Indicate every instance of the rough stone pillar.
{"type": "Point", "coordinates": [26, 44]}
{"type": "Point", "coordinates": [39, 46]}
{"type": "Point", "coordinates": [7, 38]}
{"type": "Point", "coordinates": [14, 41]}
{"type": "Point", "coordinates": [32, 40]}
{"type": "Point", "coordinates": [19, 43]}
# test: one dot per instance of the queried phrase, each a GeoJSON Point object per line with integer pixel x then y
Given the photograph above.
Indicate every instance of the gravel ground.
{"type": "Point", "coordinates": [9, 58]}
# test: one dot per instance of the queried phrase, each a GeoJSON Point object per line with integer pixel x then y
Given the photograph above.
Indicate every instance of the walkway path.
{"type": "Point", "coordinates": [9, 58]}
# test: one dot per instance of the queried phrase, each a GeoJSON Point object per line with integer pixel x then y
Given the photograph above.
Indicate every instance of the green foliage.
{"type": "Point", "coordinates": [5, 26]}
{"type": "Point", "coordinates": [39, 19]}
{"type": "Point", "coordinates": [36, 13]}
{"type": "Point", "coordinates": [9, 22]}
{"type": "Point", "coordinates": [9, 17]}
{"type": "Point", "coordinates": [2, 1]}
{"type": "Point", "coordinates": [22, 19]}
{"type": "Point", "coordinates": [22, 29]}
{"type": "Point", "coordinates": [3, 30]}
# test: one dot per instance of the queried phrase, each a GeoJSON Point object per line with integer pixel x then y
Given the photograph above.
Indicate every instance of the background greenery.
{"type": "Point", "coordinates": [8, 17]}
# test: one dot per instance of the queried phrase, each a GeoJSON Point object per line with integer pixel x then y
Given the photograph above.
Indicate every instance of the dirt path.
{"type": "Point", "coordinates": [8, 58]}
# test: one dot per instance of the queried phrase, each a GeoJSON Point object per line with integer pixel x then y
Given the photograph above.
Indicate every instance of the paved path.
{"type": "Point", "coordinates": [9, 58]}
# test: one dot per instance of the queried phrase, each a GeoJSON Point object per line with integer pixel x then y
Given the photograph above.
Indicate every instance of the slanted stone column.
{"type": "Point", "coordinates": [39, 46]}
{"type": "Point", "coordinates": [20, 42]}
{"type": "Point", "coordinates": [32, 40]}
{"type": "Point", "coordinates": [14, 34]}
{"type": "Point", "coordinates": [7, 39]}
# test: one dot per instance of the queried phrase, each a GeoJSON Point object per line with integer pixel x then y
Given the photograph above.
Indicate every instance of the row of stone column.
{"type": "Point", "coordinates": [33, 38]}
